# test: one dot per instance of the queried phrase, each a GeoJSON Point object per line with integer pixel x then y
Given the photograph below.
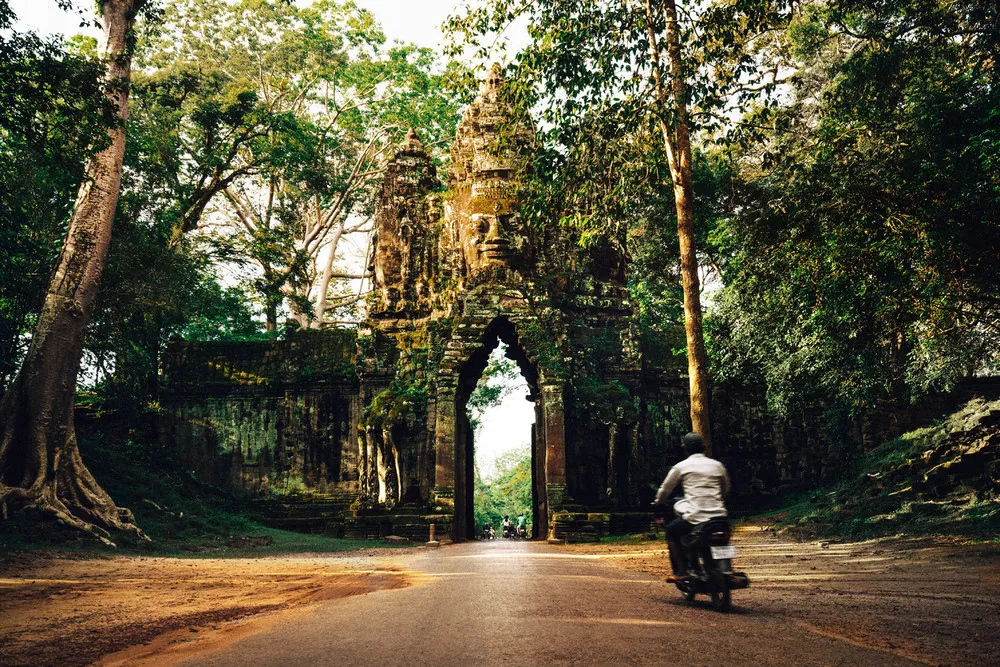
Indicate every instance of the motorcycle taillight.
{"type": "Point", "coordinates": [719, 538]}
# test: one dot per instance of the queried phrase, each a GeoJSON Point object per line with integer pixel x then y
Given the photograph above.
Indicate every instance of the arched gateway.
{"type": "Point", "coordinates": [456, 273]}
{"type": "Point", "coordinates": [364, 432]}
{"type": "Point", "coordinates": [373, 428]}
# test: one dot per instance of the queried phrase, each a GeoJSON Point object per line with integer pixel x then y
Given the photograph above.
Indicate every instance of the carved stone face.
{"type": "Point", "coordinates": [492, 239]}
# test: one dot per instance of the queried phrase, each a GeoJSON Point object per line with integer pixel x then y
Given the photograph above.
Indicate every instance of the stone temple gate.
{"type": "Point", "coordinates": [365, 432]}
{"type": "Point", "coordinates": [456, 274]}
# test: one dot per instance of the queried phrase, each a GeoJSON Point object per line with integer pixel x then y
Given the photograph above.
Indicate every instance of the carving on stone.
{"type": "Point", "coordinates": [453, 270]}
{"type": "Point", "coordinates": [492, 152]}
{"type": "Point", "coordinates": [403, 228]}
{"type": "Point", "coordinates": [364, 492]}
{"type": "Point", "coordinates": [455, 274]}
{"type": "Point", "coordinates": [391, 474]}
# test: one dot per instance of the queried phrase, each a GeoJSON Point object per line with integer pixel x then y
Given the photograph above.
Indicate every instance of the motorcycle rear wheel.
{"type": "Point", "coordinates": [721, 597]}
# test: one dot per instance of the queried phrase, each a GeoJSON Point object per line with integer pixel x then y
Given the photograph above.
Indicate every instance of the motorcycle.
{"type": "Point", "coordinates": [708, 557]}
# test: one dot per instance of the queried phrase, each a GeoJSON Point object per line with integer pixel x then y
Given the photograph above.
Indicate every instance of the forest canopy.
{"type": "Point", "coordinates": [808, 193]}
{"type": "Point", "coordinates": [845, 175]}
{"type": "Point", "coordinates": [256, 136]}
{"type": "Point", "coordinates": [846, 212]}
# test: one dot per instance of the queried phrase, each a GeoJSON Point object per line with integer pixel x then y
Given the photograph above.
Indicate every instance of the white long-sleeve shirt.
{"type": "Point", "coordinates": [705, 485]}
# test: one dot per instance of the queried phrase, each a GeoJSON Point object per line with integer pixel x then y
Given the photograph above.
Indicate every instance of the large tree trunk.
{"type": "Point", "coordinates": [270, 314]}
{"type": "Point", "coordinates": [40, 465]}
{"type": "Point", "coordinates": [677, 142]}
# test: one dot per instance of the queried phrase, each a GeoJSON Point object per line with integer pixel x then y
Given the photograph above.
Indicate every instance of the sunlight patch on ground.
{"type": "Point", "coordinates": [44, 582]}
{"type": "Point", "coordinates": [522, 554]}
{"type": "Point", "coordinates": [619, 621]}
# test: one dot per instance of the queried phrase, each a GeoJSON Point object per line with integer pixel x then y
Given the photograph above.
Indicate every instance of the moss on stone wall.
{"type": "Point", "coordinates": [402, 403]}
{"type": "Point", "coordinates": [304, 356]}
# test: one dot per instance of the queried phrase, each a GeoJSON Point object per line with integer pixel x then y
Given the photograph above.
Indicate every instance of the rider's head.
{"type": "Point", "coordinates": [693, 444]}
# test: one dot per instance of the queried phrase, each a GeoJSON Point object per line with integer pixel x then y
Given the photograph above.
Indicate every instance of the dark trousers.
{"type": "Point", "coordinates": [677, 529]}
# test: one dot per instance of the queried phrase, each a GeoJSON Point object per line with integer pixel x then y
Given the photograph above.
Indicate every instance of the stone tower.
{"type": "Point", "coordinates": [456, 273]}
{"type": "Point", "coordinates": [405, 248]}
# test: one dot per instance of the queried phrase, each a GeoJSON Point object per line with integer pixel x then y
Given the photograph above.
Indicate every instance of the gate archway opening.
{"type": "Point", "coordinates": [500, 331]}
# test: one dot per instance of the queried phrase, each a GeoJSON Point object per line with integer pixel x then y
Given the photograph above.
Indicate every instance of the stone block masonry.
{"type": "Point", "coordinates": [275, 417]}
{"type": "Point", "coordinates": [371, 424]}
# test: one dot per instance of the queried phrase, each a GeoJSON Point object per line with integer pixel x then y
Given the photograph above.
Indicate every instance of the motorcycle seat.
{"type": "Point", "coordinates": [715, 524]}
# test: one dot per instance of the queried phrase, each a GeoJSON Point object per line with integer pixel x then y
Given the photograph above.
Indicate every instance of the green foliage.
{"type": "Point", "coordinates": [846, 185]}
{"type": "Point", "coordinates": [279, 117]}
{"type": "Point", "coordinates": [866, 236]}
{"type": "Point", "coordinates": [182, 516]}
{"type": "Point", "coordinates": [895, 488]}
{"type": "Point", "coordinates": [54, 116]}
{"type": "Point", "coordinates": [154, 288]}
{"type": "Point", "coordinates": [402, 403]}
{"type": "Point", "coordinates": [588, 75]}
{"type": "Point", "coordinates": [154, 284]}
{"type": "Point", "coordinates": [509, 494]}
{"type": "Point", "coordinates": [606, 402]}
{"type": "Point", "coordinates": [654, 280]}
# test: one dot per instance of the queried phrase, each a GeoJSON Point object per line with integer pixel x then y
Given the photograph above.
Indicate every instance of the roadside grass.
{"type": "Point", "coordinates": [182, 516]}
{"type": "Point", "coordinates": [879, 500]}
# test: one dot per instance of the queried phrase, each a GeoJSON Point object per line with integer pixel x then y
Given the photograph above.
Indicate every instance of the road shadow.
{"type": "Point", "coordinates": [705, 604]}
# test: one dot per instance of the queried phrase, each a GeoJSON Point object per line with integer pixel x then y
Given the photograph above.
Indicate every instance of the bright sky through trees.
{"type": "Point", "coordinates": [416, 21]}
{"type": "Point", "coordinates": [505, 426]}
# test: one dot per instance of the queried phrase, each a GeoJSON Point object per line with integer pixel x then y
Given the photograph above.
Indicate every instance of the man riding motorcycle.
{"type": "Point", "coordinates": [705, 483]}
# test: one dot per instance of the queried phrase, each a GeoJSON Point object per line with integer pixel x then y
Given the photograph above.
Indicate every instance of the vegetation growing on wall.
{"type": "Point", "coordinates": [404, 401]}
{"type": "Point", "coordinates": [942, 478]}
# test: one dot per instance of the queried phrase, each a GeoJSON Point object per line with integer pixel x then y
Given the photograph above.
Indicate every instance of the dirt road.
{"type": "Point", "coordinates": [878, 603]}
{"type": "Point", "coordinates": [59, 610]}
{"type": "Point", "coordinates": [930, 600]}
{"type": "Point", "coordinates": [528, 604]}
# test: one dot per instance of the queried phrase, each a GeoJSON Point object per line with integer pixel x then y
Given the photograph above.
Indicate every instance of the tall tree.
{"type": "Point", "coordinates": [608, 76]}
{"type": "Point", "coordinates": [331, 100]}
{"type": "Point", "coordinates": [40, 464]}
{"type": "Point", "coordinates": [54, 110]}
{"type": "Point", "coordinates": [673, 106]}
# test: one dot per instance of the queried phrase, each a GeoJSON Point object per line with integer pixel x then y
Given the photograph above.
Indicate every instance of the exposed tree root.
{"type": "Point", "coordinates": [41, 470]}
{"type": "Point", "coordinates": [40, 464]}
{"type": "Point", "coordinates": [45, 501]}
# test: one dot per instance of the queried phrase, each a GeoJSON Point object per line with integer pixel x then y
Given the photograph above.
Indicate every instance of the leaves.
{"type": "Point", "coordinates": [54, 116]}
{"type": "Point", "coordinates": [279, 119]}
{"type": "Point", "coordinates": [508, 494]}
{"type": "Point", "coordinates": [860, 252]}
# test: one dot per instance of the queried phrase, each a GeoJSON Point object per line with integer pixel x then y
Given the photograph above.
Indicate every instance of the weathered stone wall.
{"type": "Point", "coordinates": [271, 417]}
{"type": "Point", "coordinates": [376, 420]}
{"type": "Point", "coordinates": [766, 455]}
{"type": "Point", "coordinates": [283, 417]}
